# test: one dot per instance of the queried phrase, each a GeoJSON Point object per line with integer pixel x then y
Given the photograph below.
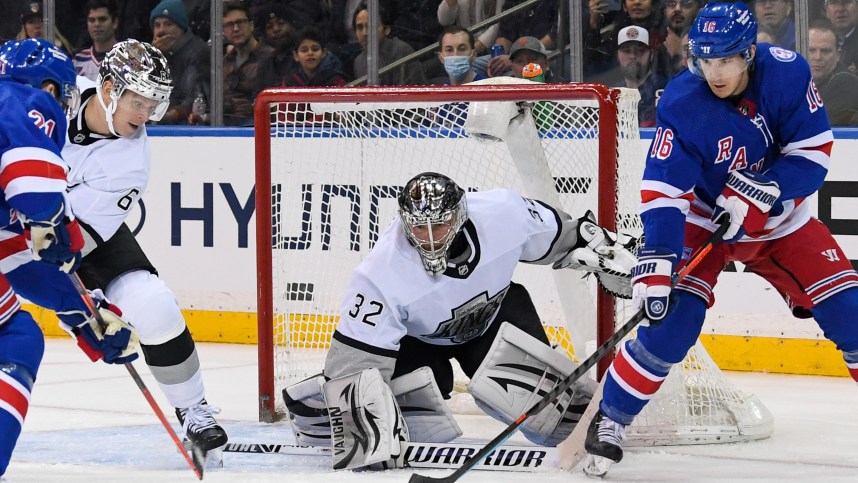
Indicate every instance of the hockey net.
{"type": "Point", "coordinates": [330, 162]}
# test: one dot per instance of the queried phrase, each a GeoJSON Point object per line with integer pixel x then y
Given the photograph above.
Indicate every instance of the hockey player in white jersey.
{"type": "Point", "coordinates": [107, 151]}
{"type": "Point", "coordinates": [437, 286]}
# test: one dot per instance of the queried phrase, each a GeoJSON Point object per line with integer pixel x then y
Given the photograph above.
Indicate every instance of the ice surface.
{"type": "Point", "coordinates": [89, 423]}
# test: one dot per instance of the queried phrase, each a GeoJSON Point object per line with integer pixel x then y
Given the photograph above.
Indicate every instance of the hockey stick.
{"type": "Point", "coordinates": [525, 458]}
{"type": "Point", "coordinates": [585, 366]}
{"type": "Point", "coordinates": [196, 463]}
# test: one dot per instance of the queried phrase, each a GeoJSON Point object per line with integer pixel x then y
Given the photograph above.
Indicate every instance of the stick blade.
{"type": "Point", "coordinates": [198, 456]}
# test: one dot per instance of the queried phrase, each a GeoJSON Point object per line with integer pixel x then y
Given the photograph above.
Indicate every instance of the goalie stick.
{"type": "Point", "coordinates": [567, 382]}
{"type": "Point", "coordinates": [525, 458]}
{"type": "Point", "coordinates": [197, 457]}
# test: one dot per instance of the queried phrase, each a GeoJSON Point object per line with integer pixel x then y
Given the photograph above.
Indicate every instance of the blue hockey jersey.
{"type": "Point", "coordinates": [778, 127]}
{"type": "Point", "coordinates": [32, 134]}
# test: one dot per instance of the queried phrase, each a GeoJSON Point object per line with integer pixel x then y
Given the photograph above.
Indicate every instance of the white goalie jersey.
{"type": "Point", "coordinates": [107, 175]}
{"type": "Point", "coordinates": [391, 295]}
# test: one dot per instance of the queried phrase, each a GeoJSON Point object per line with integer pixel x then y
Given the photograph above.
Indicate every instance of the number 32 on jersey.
{"type": "Point", "coordinates": [369, 309]}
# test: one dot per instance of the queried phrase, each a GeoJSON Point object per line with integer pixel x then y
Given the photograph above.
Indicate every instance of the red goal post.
{"type": "Point", "coordinates": [608, 106]}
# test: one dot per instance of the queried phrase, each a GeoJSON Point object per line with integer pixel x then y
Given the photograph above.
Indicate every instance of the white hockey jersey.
{"type": "Point", "coordinates": [391, 295]}
{"type": "Point", "coordinates": [107, 174]}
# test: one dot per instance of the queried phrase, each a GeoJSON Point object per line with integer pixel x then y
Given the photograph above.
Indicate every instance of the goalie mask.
{"type": "Point", "coordinates": [138, 67]}
{"type": "Point", "coordinates": [432, 209]}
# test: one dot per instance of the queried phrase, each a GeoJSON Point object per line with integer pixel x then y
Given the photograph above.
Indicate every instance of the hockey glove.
{"type": "Point", "coordinates": [116, 342]}
{"type": "Point", "coordinates": [651, 280]}
{"type": "Point", "coordinates": [607, 254]}
{"type": "Point", "coordinates": [57, 241]}
{"type": "Point", "coordinates": [748, 197]}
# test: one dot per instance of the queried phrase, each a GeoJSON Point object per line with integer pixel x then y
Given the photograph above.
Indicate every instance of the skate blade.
{"type": "Point", "coordinates": [214, 458]}
{"type": "Point", "coordinates": [597, 466]}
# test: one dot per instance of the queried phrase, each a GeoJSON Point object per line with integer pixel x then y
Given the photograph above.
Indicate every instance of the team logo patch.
{"type": "Point", "coordinates": [782, 55]}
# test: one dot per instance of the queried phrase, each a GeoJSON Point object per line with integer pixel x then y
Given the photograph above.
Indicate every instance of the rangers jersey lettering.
{"type": "Point", "coordinates": [391, 295]}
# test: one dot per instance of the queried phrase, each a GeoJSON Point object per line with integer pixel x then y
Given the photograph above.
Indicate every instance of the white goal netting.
{"type": "Point", "coordinates": [330, 163]}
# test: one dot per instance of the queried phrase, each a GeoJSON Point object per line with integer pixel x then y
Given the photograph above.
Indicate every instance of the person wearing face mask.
{"type": "Point", "coordinates": [457, 55]}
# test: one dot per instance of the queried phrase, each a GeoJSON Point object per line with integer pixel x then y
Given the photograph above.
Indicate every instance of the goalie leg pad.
{"type": "Point", "coordinates": [308, 413]}
{"type": "Point", "coordinates": [366, 424]}
{"type": "Point", "coordinates": [516, 373]}
{"type": "Point", "coordinates": [426, 414]}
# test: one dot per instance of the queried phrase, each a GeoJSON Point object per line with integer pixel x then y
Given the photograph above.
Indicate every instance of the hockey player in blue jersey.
{"type": "Point", "coordinates": [742, 133]}
{"type": "Point", "coordinates": [37, 84]}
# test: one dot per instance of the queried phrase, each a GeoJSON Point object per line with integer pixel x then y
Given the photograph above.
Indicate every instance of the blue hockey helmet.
{"type": "Point", "coordinates": [721, 30]}
{"type": "Point", "coordinates": [36, 61]}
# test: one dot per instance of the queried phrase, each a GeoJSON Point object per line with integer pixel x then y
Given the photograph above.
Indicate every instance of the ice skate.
{"type": "Point", "coordinates": [604, 443]}
{"type": "Point", "coordinates": [200, 426]}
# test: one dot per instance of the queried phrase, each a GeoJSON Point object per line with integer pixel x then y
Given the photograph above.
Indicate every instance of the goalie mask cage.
{"type": "Point", "coordinates": [330, 163]}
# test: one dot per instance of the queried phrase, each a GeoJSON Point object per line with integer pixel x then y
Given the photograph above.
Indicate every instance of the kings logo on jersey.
{"type": "Point", "coordinates": [470, 319]}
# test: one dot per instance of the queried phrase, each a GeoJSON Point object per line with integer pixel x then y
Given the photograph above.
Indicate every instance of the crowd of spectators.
{"type": "Point", "coordinates": [277, 43]}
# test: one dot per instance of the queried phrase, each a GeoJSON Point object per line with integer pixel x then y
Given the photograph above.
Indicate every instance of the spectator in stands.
{"type": "Point", "coordinates": [32, 26]}
{"type": "Point", "coordinates": [389, 50]}
{"type": "Point", "coordinates": [678, 15]}
{"type": "Point", "coordinates": [187, 55]}
{"type": "Point", "coordinates": [240, 64]}
{"type": "Point", "coordinates": [777, 17]}
{"type": "Point", "coordinates": [465, 13]}
{"type": "Point", "coordinates": [101, 23]}
{"type": "Point", "coordinates": [634, 56]}
{"type": "Point", "coordinates": [279, 63]}
{"type": "Point", "coordinates": [315, 66]}
{"type": "Point", "coordinates": [457, 55]}
{"type": "Point", "coordinates": [523, 51]}
{"type": "Point", "coordinates": [604, 25]}
{"type": "Point", "coordinates": [843, 15]}
{"type": "Point", "coordinates": [837, 86]}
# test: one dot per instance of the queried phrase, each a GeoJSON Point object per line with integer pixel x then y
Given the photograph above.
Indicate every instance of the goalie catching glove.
{"type": "Point", "coordinates": [116, 342]}
{"type": "Point", "coordinates": [610, 256]}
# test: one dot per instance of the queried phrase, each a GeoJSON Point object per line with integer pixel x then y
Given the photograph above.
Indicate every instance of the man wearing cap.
{"type": "Point", "coordinates": [525, 50]}
{"type": "Point", "coordinates": [32, 26]}
{"type": "Point", "coordinates": [843, 15]}
{"type": "Point", "coordinates": [187, 55]}
{"type": "Point", "coordinates": [635, 59]}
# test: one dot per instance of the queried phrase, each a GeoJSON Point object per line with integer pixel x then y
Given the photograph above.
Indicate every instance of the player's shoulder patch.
{"type": "Point", "coordinates": [781, 54]}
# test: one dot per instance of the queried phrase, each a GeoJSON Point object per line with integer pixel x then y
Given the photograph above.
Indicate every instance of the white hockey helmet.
{"type": "Point", "coordinates": [428, 203]}
{"type": "Point", "coordinates": [138, 67]}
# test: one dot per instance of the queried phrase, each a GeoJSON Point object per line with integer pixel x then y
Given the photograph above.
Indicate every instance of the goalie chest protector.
{"type": "Point", "coordinates": [391, 295]}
